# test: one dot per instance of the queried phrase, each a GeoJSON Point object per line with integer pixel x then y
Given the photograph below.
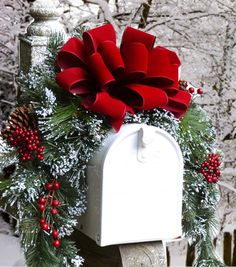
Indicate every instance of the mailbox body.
{"type": "Point", "coordinates": [135, 188]}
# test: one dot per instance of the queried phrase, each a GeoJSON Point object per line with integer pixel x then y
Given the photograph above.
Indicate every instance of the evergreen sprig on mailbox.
{"type": "Point", "coordinates": [62, 129]}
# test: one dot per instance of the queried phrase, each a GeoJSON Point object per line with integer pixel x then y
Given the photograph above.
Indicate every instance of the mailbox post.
{"type": "Point", "coordinates": [33, 44]}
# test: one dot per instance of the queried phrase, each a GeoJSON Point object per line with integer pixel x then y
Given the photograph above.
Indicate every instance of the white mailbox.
{"type": "Point", "coordinates": [135, 186]}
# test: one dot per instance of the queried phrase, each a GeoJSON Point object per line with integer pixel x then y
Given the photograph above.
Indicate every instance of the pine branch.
{"type": "Point", "coordinates": [79, 30]}
{"type": "Point", "coordinates": [41, 254]}
{"type": "Point", "coordinates": [206, 257]}
{"type": "Point", "coordinates": [67, 253]}
{"type": "Point", "coordinates": [197, 136]}
{"type": "Point", "coordinates": [8, 155]}
{"type": "Point", "coordinates": [4, 185]}
{"type": "Point", "coordinates": [29, 229]}
{"type": "Point", "coordinates": [58, 124]}
{"type": "Point", "coordinates": [55, 42]}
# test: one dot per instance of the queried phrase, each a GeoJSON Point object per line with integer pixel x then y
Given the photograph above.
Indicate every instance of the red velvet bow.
{"type": "Point", "coordinates": [114, 81]}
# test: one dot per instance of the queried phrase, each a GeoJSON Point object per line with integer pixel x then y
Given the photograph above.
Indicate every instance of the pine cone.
{"type": "Point", "coordinates": [20, 118]}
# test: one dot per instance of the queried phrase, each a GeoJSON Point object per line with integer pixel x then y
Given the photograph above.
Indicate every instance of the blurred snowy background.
{"type": "Point", "coordinates": [202, 32]}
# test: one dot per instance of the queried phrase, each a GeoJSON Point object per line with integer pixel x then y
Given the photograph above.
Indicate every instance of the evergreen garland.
{"type": "Point", "coordinates": [70, 136]}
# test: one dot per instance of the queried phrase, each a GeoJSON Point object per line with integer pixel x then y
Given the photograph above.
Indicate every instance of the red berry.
{"type": "Point", "coordinates": [56, 243]}
{"type": "Point", "coordinates": [54, 211]}
{"type": "Point", "coordinates": [40, 156]}
{"type": "Point", "coordinates": [56, 185]}
{"type": "Point", "coordinates": [185, 83]}
{"type": "Point", "coordinates": [42, 207]}
{"type": "Point", "coordinates": [42, 200]}
{"type": "Point", "coordinates": [214, 179]}
{"type": "Point", "coordinates": [30, 147]}
{"type": "Point", "coordinates": [55, 233]}
{"type": "Point", "coordinates": [40, 149]}
{"type": "Point", "coordinates": [42, 220]}
{"type": "Point", "coordinates": [48, 186]}
{"type": "Point", "coordinates": [45, 226]}
{"type": "Point", "coordinates": [55, 203]}
{"type": "Point", "coordinates": [191, 90]}
{"type": "Point", "coordinates": [200, 91]}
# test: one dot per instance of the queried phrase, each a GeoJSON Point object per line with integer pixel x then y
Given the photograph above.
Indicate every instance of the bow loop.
{"type": "Point", "coordinates": [178, 103]}
{"type": "Point", "coordinates": [74, 80]}
{"type": "Point", "coordinates": [100, 71]}
{"type": "Point", "coordinates": [114, 63]}
{"type": "Point", "coordinates": [72, 54]}
{"type": "Point", "coordinates": [132, 35]}
{"type": "Point", "coordinates": [160, 70]}
{"type": "Point", "coordinates": [103, 103]}
{"type": "Point", "coordinates": [147, 97]}
{"type": "Point", "coordinates": [135, 57]}
{"type": "Point", "coordinates": [94, 37]}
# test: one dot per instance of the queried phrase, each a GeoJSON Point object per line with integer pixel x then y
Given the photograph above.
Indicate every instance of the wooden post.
{"type": "Point", "coordinates": [227, 248]}
{"type": "Point", "coordinates": [33, 44]}
{"type": "Point", "coordinates": [234, 250]}
{"type": "Point", "coordinates": [148, 254]}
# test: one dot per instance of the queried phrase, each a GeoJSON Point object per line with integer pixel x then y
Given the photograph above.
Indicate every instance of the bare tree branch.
{"type": "Point", "coordinates": [145, 13]}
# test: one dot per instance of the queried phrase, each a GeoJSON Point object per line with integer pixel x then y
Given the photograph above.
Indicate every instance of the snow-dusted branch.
{"type": "Point", "coordinates": [104, 6]}
{"type": "Point", "coordinates": [228, 186]}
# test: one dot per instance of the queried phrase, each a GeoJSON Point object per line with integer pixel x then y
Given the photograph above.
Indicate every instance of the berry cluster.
{"type": "Point", "coordinates": [188, 87]}
{"type": "Point", "coordinates": [50, 203]}
{"type": "Point", "coordinates": [27, 143]}
{"type": "Point", "coordinates": [210, 168]}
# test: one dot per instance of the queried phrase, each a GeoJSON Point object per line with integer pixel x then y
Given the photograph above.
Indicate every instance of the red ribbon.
{"type": "Point", "coordinates": [115, 81]}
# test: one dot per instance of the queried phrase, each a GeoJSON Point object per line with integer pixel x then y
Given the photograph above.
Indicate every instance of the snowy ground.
{"type": "Point", "coordinates": [10, 252]}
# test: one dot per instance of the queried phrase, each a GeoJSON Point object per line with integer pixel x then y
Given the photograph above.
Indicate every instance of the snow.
{"type": "Point", "coordinates": [10, 252]}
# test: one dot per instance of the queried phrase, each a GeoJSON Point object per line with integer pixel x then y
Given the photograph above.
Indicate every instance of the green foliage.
{"type": "Point", "coordinates": [4, 184]}
{"type": "Point", "coordinates": [55, 43]}
{"type": "Point", "coordinates": [200, 199]}
{"type": "Point", "coordinates": [39, 250]}
{"type": "Point", "coordinates": [67, 253]}
{"type": "Point", "coordinates": [8, 155]}
{"type": "Point", "coordinates": [206, 256]}
{"type": "Point", "coordinates": [198, 136]}
{"type": "Point", "coordinates": [59, 124]}
{"type": "Point", "coordinates": [41, 253]}
{"type": "Point", "coordinates": [79, 30]}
